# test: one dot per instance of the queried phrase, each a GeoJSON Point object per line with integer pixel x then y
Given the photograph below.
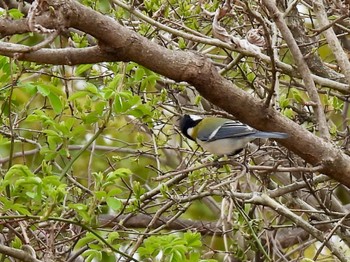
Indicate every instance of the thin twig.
{"type": "Point", "coordinates": [332, 40]}
{"type": "Point", "coordinates": [302, 68]}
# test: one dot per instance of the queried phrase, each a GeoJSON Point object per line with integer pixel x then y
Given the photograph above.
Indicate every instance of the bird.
{"type": "Point", "coordinates": [222, 136]}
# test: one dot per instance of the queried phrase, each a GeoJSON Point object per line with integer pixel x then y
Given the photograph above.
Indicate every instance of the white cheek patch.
{"type": "Point", "coordinates": [190, 131]}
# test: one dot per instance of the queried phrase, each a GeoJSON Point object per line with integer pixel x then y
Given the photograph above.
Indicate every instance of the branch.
{"type": "Point", "coordinates": [332, 40]}
{"type": "Point", "coordinates": [17, 253]}
{"type": "Point", "coordinates": [63, 56]}
{"type": "Point", "coordinates": [301, 66]}
{"type": "Point", "coordinates": [79, 147]}
{"type": "Point", "coordinates": [288, 237]}
{"type": "Point", "coordinates": [309, 43]}
{"type": "Point", "coordinates": [14, 48]}
{"type": "Point", "coordinates": [9, 27]}
{"type": "Point", "coordinates": [266, 200]}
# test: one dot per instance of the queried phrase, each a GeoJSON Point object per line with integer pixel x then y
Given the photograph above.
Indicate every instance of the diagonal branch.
{"type": "Point", "coordinates": [59, 56]}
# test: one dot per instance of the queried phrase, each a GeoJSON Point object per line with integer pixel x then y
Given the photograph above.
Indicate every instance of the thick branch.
{"type": "Point", "coordinates": [10, 27]}
{"type": "Point", "coordinates": [143, 221]}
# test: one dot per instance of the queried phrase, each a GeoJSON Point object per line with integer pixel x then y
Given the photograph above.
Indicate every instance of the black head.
{"type": "Point", "coordinates": [188, 122]}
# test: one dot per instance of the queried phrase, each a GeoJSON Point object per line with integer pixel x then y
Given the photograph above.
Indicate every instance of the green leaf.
{"type": "Point", "coordinates": [82, 68]}
{"type": "Point", "coordinates": [137, 189]}
{"type": "Point", "coordinates": [114, 203]}
{"type": "Point", "coordinates": [77, 95]}
{"type": "Point", "coordinates": [99, 107]}
{"type": "Point", "coordinates": [78, 206]}
{"type": "Point", "coordinates": [182, 43]}
{"type": "Point", "coordinates": [28, 87]}
{"type": "Point", "coordinates": [119, 173]}
{"type": "Point", "coordinates": [18, 170]}
{"type": "Point", "coordinates": [193, 239]}
{"type": "Point", "coordinates": [122, 102]}
{"type": "Point", "coordinates": [96, 246]}
{"type": "Point", "coordinates": [108, 257]}
{"type": "Point", "coordinates": [28, 180]}
{"type": "Point", "coordinates": [15, 13]}
{"type": "Point", "coordinates": [115, 82]}
{"type": "Point", "coordinates": [21, 209]}
{"type": "Point", "coordinates": [50, 132]}
{"type": "Point", "coordinates": [31, 195]}
{"type": "Point", "coordinates": [91, 88]}
{"type": "Point", "coordinates": [43, 89]}
{"type": "Point", "coordinates": [55, 103]}
{"type": "Point", "coordinates": [139, 73]}
{"type": "Point", "coordinates": [288, 112]}
{"type": "Point", "coordinates": [82, 211]}
{"type": "Point", "coordinates": [140, 111]}
{"type": "Point", "coordinates": [16, 242]}
{"type": "Point", "coordinates": [194, 257]}
{"type": "Point", "coordinates": [198, 100]}
{"type": "Point", "coordinates": [337, 104]}
{"type": "Point", "coordinates": [112, 237]}
{"type": "Point", "coordinates": [178, 256]}
{"type": "Point", "coordinates": [100, 195]}
{"type": "Point", "coordinates": [125, 101]}
{"type": "Point", "coordinates": [114, 192]}
{"type": "Point", "coordinates": [297, 95]}
{"type": "Point", "coordinates": [91, 118]}
{"type": "Point", "coordinates": [80, 40]}
{"type": "Point", "coordinates": [164, 190]}
{"type": "Point", "coordinates": [119, 104]}
{"type": "Point", "coordinates": [85, 240]}
{"type": "Point", "coordinates": [92, 254]}
{"type": "Point", "coordinates": [284, 102]}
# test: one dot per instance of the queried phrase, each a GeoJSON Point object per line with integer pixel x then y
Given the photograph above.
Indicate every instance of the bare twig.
{"type": "Point", "coordinates": [266, 200]}
{"type": "Point", "coordinates": [332, 40]}
{"type": "Point", "coordinates": [301, 66]}
{"type": "Point", "coordinates": [330, 234]}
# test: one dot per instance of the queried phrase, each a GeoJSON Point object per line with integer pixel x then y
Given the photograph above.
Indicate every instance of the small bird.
{"type": "Point", "coordinates": [222, 136]}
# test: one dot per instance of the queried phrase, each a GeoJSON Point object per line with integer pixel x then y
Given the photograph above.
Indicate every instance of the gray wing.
{"type": "Point", "coordinates": [229, 129]}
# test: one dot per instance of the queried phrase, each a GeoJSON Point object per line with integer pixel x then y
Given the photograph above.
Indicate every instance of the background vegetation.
{"type": "Point", "coordinates": [94, 168]}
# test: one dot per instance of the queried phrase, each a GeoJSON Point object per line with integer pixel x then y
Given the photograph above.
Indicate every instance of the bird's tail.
{"type": "Point", "coordinates": [279, 135]}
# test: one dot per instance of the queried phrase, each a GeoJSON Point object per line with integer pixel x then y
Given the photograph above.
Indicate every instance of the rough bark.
{"type": "Point", "coordinates": [125, 45]}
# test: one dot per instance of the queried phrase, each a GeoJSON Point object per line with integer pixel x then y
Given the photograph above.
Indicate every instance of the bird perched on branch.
{"type": "Point", "coordinates": [222, 136]}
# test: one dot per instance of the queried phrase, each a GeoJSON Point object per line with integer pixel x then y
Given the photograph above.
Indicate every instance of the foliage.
{"type": "Point", "coordinates": [172, 247]}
